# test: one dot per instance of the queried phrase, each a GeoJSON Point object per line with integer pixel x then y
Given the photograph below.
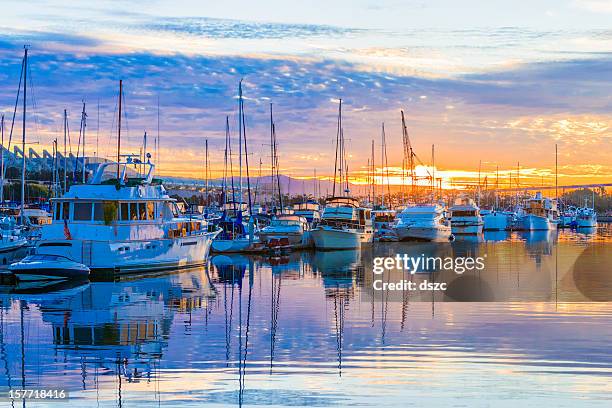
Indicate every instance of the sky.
{"type": "Point", "coordinates": [490, 84]}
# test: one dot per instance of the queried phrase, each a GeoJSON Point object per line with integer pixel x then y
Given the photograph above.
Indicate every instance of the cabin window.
{"type": "Point", "coordinates": [142, 211]}
{"type": "Point", "coordinates": [151, 210]}
{"type": "Point", "coordinates": [57, 211]}
{"type": "Point", "coordinates": [66, 210]}
{"type": "Point", "coordinates": [134, 211]}
{"type": "Point", "coordinates": [82, 211]}
{"type": "Point", "coordinates": [125, 214]}
{"type": "Point", "coordinates": [98, 212]}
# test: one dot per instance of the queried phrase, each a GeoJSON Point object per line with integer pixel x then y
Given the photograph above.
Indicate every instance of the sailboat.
{"type": "Point", "coordinates": [12, 236]}
{"type": "Point", "coordinates": [344, 223]}
{"type": "Point", "coordinates": [237, 235]}
{"type": "Point", "coordinates": [285, 229]}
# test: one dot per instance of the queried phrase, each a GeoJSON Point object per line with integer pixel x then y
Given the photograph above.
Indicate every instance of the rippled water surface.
{"type": "Point", "coordinates": [305, 329]}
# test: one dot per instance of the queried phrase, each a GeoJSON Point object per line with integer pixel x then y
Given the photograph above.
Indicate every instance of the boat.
{"type": "Point", "coordinates": [465, 217]}
{"type": "Point", "coordinates": [344, 225]}
{"type": "Point", "coordinates": [539, 214]}
{"type": "Point", "coordinates": [287, 230]}
{"type": "Point", "coordinates": [382, 222]}
{"type": "Point", "coordinates": [12, 240]}
{"type": "Point", "coordinates": [422, 223]}
{"type": "Point", "coordinates": [586, 217]}
{"type": "Point", "coordinates": [568, 217]}
{"type": "Point", "coordinates": [311, 210]}
{"type": "Point", "coordinates": [48, 268]}
{"type": "Point", "coordinates": [124, 224]}
{"type": "Point", "coordinates": [496, 220]}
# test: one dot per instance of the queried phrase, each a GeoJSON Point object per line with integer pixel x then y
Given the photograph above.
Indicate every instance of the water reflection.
{"type": "Point", "coordinates": [304, 329]}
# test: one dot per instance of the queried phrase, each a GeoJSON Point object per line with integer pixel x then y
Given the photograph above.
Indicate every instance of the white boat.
{"type": "Point", "coordinates": [235, 236]}
{"type": "Point", "coordinates": [586, 218]}
{"type": "Point", "coordinates": [465, 217]}
{"type": "Point", "coordinates": [568, 217]}
{"type": "Point", "coordinates": [310, 210]}
{"type": "Point", "coordinates": [124, 224]}
{"type": "Point", "coordinates": [286, 230]}
{"type": "Point", "coordinates": [12, 240]}
{"type": "Point", "coordinates": [423, 222]}
{"type": "Point", "coordinates": [344, 225]}
{"type": "Point", "coordinates": [539, 214]}
{"type": "Point", "coordinates": [48, 267]}
{"type": "Point", "coordinates": [494, 220]}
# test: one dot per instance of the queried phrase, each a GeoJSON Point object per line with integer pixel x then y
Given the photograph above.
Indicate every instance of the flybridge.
{"type": "Point", "coordinates": [100, 177]}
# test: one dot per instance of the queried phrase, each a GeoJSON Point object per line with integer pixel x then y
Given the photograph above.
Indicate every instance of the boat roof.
{"type": "Point", "coordinates": [350, 201]}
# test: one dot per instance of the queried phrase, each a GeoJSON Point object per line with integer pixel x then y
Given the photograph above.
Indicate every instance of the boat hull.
{"type": "Point", "coordinates": [134, 255]}
{"type": "Point", "coordinates": [441, 233]}
{"type": "Point", "coordinates": [329, 239]}
{"type": "Point", "coordinates": [586, 222]}
{"type": "Point", "coordinates": [496, 222]}
{"type": "Point", "coordinates": [532, 222]}
{"type": "Point", "coordinates": [12, 250]}
{"type": "Point", "coordinates": [466, 227]}
{"type": "Point", "coordinates": [50, 274]}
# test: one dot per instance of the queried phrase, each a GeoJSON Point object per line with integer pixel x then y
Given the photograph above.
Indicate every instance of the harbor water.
{"type": "Point", "coordinates": [305, 329]}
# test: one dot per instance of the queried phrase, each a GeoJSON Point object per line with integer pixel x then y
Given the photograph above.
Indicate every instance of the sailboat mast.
{"type": "Point", "coordinates": [382, 163]}
{"type": "Point", "coordinates": [84, 120]}
{"type": "Point", "coordinates": [206, 170]}
{"type": "Point", "coordinates": [2, 160]}
{"type": "Point", "coordinates": [119, 128]}
{"type": "Point", "coordinates": [433, 172]}
{"type": "Point", "coordinates": [65, 149]}
{"type": "Point", "coordinates": [556, 172]}
{"type": "Point", "coordinates": [373, 176]}
{"type": "Point", "coordinates": [240, 139]}
{"type": "Point", "coordinates": [23, 137]}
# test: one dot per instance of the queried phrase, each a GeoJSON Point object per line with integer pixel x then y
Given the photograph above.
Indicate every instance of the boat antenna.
{"type": "Point", "coordinates": [206, 169]}
{"type": "Point", "coordinates": [2, 160]}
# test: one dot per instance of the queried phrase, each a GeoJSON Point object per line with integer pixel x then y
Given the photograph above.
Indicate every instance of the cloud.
{"type": "Point", "coordinates": [596, 6]}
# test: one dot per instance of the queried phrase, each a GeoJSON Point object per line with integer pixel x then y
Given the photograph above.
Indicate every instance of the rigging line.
{"type": "Point", "coordinates": [246, 160]}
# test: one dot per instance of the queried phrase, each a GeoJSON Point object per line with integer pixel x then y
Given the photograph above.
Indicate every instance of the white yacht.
{"type": "Point", "coordinates": [423, 222]}
{"type": "Point", "coordinates": [286, 230]}
{"type": "Point", "coordinates": [465, 217]}
{"type": "Point", "coordinates": [539, 214]}
{"type": "Point", "coordinates": [568, 217]}
{"type": "Point", "coordinates": [124, 224]}
{"type": "Point", "coordinates": [344, 225]}
{"type": "Point", "coordinates": [586, 218]}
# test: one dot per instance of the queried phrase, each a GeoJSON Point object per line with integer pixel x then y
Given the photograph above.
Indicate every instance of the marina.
{"type": "Point", "coordinates": [305, 204]}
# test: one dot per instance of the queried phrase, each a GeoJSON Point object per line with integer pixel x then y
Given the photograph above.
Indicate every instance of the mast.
{"type": "Point", "coordinates": [337, 150]}
{"type": "Point", "coordinates": [373, 181]}
{"type": "Point", "coordinates": [23, 138]}
{"type": "Point", "coordinates": [84, 126]}
{"type": "Point", "coordinates": [272, 155]}
{"type": "Point", "coordinates": [556, 173]}
{"type": "Point", "coordinates": [240, 139]}
{"type": "Point", "coordinates": [65, 150]}
{"type": "Point", "coordinates": [206, 170]}
{"type": "Point", "coordinates": [119, 128]}
{"type": "Point", "coordinates": [2, 160]}
{"type": "Point", "coordinates": [433, 173]}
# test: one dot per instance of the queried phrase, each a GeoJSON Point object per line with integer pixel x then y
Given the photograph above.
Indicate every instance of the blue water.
{"type": "Point", "coordinates": [305, 330]}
